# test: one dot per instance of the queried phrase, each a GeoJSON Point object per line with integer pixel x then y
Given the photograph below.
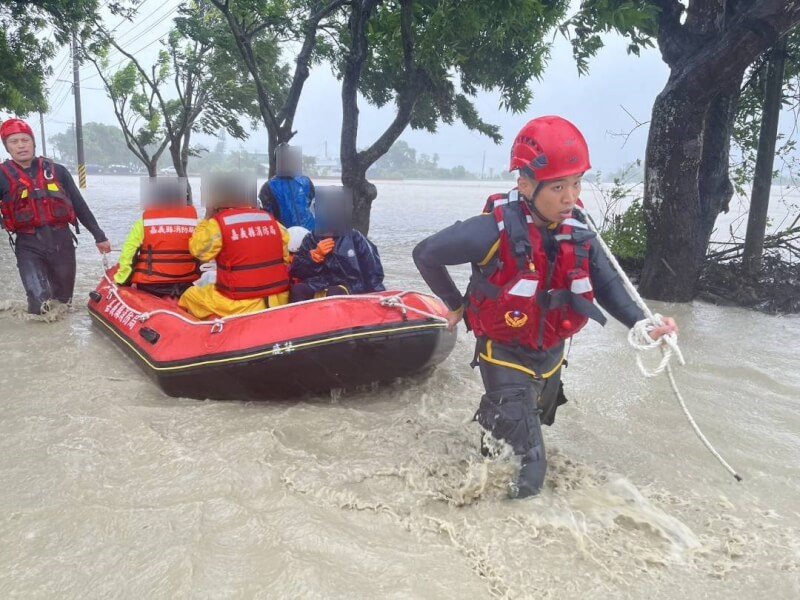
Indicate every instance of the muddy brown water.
{"type": "Point", "coordinates": [110, 489]}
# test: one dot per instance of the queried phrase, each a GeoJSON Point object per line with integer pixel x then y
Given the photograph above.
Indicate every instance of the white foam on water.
{"type": "Point", "coordinates": [112, 489]}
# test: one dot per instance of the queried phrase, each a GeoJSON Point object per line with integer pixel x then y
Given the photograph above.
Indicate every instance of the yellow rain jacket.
{"type": "Point", "coordinates": [204, 302]}
{"type": "Point", "coordinates": [128, 255]}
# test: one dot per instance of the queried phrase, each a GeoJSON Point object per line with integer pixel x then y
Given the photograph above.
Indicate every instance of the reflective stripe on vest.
{"type": "Point", "coordinates": [170, 221]}
{"type": "Point", "coordinates": [247, 218]}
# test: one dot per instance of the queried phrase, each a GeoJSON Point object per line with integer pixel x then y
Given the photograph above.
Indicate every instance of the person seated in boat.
{"type": "Point", "coordinates": [250, 248]}
{"type": "Point", "coordinates": [296, 236]}
{"type": "Point", "coordinates": [289, 195]}
{"type": "Point", "coordinates": [155, 257]}
{"type": "Point", "coordinates": [335, 259]}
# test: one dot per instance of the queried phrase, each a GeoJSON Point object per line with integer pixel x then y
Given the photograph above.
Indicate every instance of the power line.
{"type": "Point", "coordinates": [121, 40]}
{"type": "Point", "coordinates": [61, 97]}
{"type": "Point", "coordinates": [133, 53]}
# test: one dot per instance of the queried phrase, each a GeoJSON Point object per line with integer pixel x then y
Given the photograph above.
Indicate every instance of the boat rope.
{"type": "Point", "coordinates": [640, 339]}
{"type": "Point", "coordinates": [218, 324]}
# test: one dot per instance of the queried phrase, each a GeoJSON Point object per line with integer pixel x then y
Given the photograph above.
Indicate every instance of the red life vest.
{"type": "Point", "coordinates": [164, 254]}
{"type": "Point", "coordinates": [30, 204]}
{"type": "Point", "coordinates": [522, 298]}
{"type": "Point", "coordinates": [250, 264]}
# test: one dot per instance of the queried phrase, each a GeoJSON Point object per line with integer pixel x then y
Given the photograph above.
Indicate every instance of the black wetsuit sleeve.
{"type": "Point", "coordinates": [464, 242]}
{"type": "Point", "coordinates": [82, 210]}
{"type": "Point", "coordinates": [609, 291]}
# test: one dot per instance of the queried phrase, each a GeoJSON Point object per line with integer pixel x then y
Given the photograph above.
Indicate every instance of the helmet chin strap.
{"type": "Point", "coordinates": [532, 204]}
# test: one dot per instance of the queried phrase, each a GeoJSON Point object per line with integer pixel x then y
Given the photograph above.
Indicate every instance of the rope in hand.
{"type": "Point", "coordinates": [640, 339]}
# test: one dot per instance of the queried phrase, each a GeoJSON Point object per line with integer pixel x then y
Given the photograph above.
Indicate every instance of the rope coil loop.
{"type": "Point", "coordinates": [639, 338]}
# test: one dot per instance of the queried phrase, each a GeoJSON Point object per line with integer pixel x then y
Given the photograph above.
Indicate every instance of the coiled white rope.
{"type": "Point", "coordinates": [640, 339]}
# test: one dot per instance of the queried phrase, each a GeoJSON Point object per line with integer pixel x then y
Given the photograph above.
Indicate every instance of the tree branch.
{"type": "Point", "coordinates": [672, 38]}
{"type": "Point", "coordinates": [748, 35]}
{"type": "Point", "coordinates": [406, 97]}
{"type": "Point", "coordinates": [285, 116]}
{"type": "Point", "coordinates": [246, 50]}
{"type": "Point", "coordinates": [354, 63]}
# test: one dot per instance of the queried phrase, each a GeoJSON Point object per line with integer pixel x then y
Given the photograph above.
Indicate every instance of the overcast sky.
{"type": "Point", "coordinates": [594, 103]}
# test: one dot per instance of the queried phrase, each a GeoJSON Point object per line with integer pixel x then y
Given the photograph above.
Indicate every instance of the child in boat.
{"type": "Point", "coordinates": [155, 258]}
{"type": "Point", "coordinates": [250, 249]}
{"type": "Point", "coordinates": [289, 195]}
{"type": "Point", "coordinates": [335, 259]}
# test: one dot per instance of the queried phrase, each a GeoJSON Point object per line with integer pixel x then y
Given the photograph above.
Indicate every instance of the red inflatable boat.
{"type": "Point", "coordinates": [309, 347]}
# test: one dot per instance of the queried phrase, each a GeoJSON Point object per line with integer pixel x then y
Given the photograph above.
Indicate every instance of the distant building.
{"type": "Point", "coordinates": [328, 167]}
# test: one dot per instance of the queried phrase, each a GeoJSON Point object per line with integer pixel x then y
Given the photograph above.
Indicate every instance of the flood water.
{"type": "Point", "coordinates": [111, 489]}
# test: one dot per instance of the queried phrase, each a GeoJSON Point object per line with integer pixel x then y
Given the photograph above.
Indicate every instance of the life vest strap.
{"type": "Point", "coordinates": [149, 251]}
{"type": "Point", "coordinates": [168, 260]}
{"type": "Point", "coordinates": [480, 283]}
{"type": "Point", "coordinates": [551, 299]}
{"type": "Point", "coordinates": [170, 276]}
{"type": "Point", "coordinates": [260, 288]}
{"type": "Point", "coordinates": [264, 265]}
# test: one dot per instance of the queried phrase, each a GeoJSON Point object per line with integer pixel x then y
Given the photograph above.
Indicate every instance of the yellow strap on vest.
{"type": "Point", "coordinates": [502, 363]}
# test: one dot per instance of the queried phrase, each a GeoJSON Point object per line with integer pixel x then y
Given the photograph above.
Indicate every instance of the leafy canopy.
{"type": "Point", "coordinates": [30, 33]}
{"type": "Point", "coordinates": [459, 49]}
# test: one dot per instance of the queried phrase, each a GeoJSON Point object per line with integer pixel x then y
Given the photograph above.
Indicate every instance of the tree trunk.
{"type": "Point", "coordinates": [272, 145]}
{"type": "Point", "coordinates": [151, 168]}
{"type": "Point", "coordinates": [354, 177]}
{"type": "Point", "coordinates": [686, 180]}
{"type": "Point", "coordinates": [686, 185]}
{"type": "Point", "coordinates": [762, 181]}
{"type": "Point", "coordinates": [672, 164]}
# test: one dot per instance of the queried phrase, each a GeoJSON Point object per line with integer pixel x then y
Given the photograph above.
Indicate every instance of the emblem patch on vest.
{"type": "Point", "coordinates": [516, 319]}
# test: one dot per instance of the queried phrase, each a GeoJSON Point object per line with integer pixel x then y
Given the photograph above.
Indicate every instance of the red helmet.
{"type": "Point", "coordinates": [550, 148]}
{"type": "Point", "coordinates": [12, 126]}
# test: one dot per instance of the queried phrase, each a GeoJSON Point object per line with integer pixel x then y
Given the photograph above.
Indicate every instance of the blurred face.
{"type": "Point", "coordinates": [556, 198]}
{"type": "Point", "coordinates": [21, 148]}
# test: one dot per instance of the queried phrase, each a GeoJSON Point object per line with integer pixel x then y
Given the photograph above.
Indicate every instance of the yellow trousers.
{"type": "Point", "coordinates": [204, 302]}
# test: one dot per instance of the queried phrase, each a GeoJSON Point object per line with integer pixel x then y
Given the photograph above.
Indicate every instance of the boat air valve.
{"type": "Point", "coordinates": [95, 296]}
{"type": "Point", "coordinates": [151, 335]}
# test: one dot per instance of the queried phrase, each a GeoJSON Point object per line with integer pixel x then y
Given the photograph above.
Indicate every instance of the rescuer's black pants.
{"type": "Point", "coordinates": [523, 391]}
{"type": "Point", "coordinates": [46, 263]}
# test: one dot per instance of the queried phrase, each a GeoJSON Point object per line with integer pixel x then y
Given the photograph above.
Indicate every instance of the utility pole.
{"type": "Point", "coordinates": [41, 127]}
{"type": "Point", "coordinates": [76, 90]}
{"type": "Point", "coordinates": [483, 163]}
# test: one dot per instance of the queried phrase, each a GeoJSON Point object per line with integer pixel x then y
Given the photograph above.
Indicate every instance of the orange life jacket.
{"type": "Point", "coordinates": [522, 297]}
{"type": "Point", "coordinates": [164, 254]}
{"type": "Point", "coordinates": [31, 204]}
{"type": "Point", "coordinates": [250, 264]}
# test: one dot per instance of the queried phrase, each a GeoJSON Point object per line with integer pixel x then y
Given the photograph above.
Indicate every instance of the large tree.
{"type": "Point", "coordinates": [105, 145]}
{"type": "Point", "coordinates": [136, 108]}
{"type": "Point", "coordinates": [255, 28]}
{"type": "Point", "coordinates": [430, 58]}
{"type": "Point", "coordinates": [26, 46]}
{"type": "Point", "coordinates": [708, 46]}
{"type": "Point", "coordinates": [193, 86]}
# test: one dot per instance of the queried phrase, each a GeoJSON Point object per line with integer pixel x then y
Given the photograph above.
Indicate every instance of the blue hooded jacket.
{"type": "Point", "coordinates": [289, 200]}
{"type": "Point", "coordinates": [354, 262]}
